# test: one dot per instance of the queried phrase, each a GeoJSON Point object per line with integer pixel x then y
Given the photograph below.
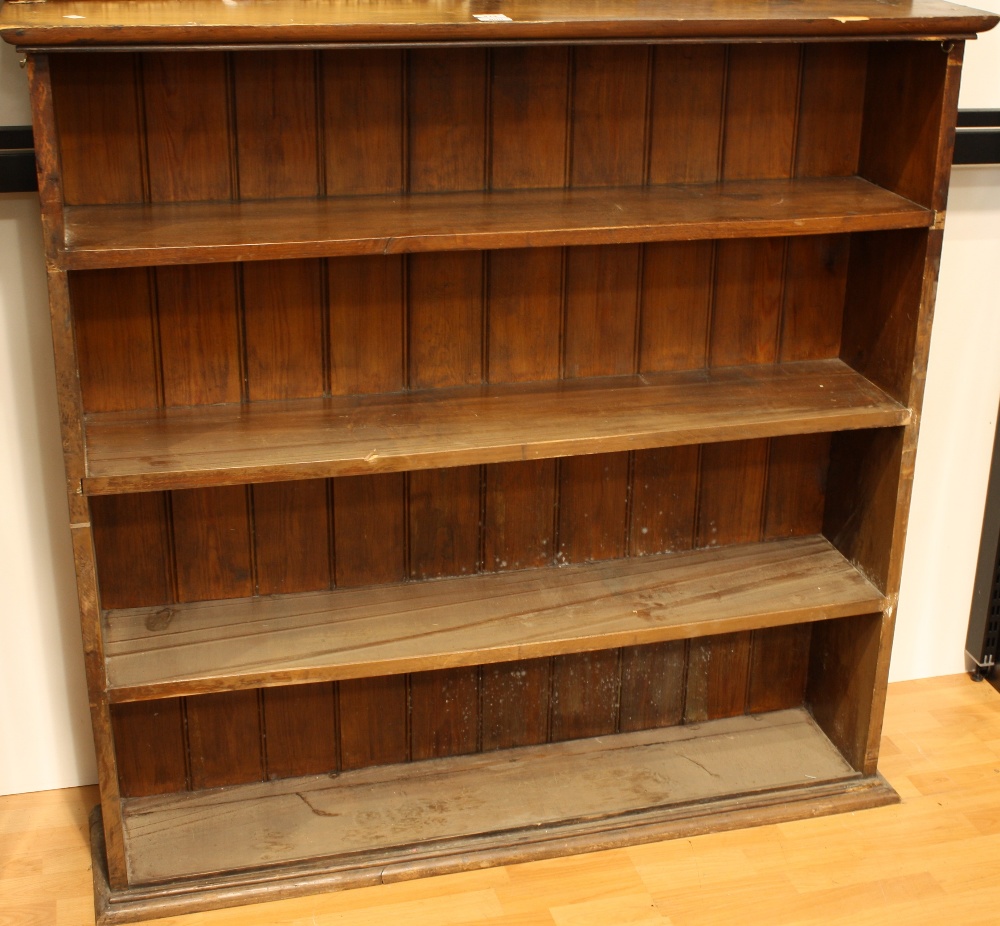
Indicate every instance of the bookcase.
{"type": "Point", "coordinates": [489, 428]}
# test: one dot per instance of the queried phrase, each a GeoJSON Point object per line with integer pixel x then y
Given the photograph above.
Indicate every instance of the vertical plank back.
{"type": "Point", "coordinates": [300, 732]}
{"type": "Point", "coordinates": [277, 132]}
{"type": "Point", "coordinates": [224, 739]}
{"type": "Point", "coordinates": [687, 110]}
{"type": "Point", "coordinates": [150, 747]}
{"type": "Point", "coordinates": [529, 127]}
{"type": "Point", "coordinates": [363, 121]}
{"type": "Point", "coordinates": [284, 320]}
{"type": "Point", "coordinates": [116, 339]}
{"type": "Point", "coordinates": [447, 93]}
{"type": "Point", "coordinates": [97, 101]}
{"type": "Point", "coordinates": [189, 138]}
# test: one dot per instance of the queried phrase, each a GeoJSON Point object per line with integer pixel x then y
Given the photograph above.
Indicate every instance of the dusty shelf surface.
{"type": "Point", "coordinates": [388, 811]}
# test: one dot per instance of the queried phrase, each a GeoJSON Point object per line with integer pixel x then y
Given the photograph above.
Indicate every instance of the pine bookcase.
{"type": "Point", "coordinates": [489, 426]}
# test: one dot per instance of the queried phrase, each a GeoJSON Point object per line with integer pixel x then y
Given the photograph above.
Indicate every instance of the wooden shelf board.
{"type": "Point", "coordinates": [78, 22]}
{"type": "Point", "coordinates": [526, 796]}
{"type": "Point", "coordinates": [142, 235]}
{"type": "Point", "coordinates": [225, 645]}
{"type": "Point", "coordinates": [312, 438]}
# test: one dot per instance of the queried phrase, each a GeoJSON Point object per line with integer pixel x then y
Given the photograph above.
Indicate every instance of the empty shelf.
{"type": "Point", "coordinates": [353, 633]}
{"type": "Point", "coordinates": [141, 235]}
{"type": "Point", "coordinates": [312, 438]}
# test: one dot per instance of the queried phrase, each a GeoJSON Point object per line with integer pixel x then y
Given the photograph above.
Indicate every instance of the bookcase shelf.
{"type": "Point", "coordinates": [485, 439]}
{"type": "Point", "coordinates": [322, 636]}
{"type": "Point", "coordinates": [656, 780]}
{"type": "Point", "coordinates": [173, 233]}
{"type": "Point", "coordinates": [308, 438]}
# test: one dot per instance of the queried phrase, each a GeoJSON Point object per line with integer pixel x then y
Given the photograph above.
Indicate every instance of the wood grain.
{"type": "Point", "coordinates": [283, 329]}
{"type": "Point", "coordinates": [199, 335]}
{"type": "Point", "coordinates": [508, 791]}
{"type": "Point", "coordinates": [310, 438]}
{"type": "Point", "coordinates": [585, 691]}
{"type": "Point", "coordinates": [277, 139]}
{"type": "Point", "coordinates": [602, 296]}
{"type": "Point", "coordinates": [698, 327]}
{"type": "Point", "coordinates": [116, 339]}
{"type": "Point", "coordinates": [520, 512]}
{"type": "Point", "coordinates": [300, 730]}
{"type": "Point", "coordinates": [203, 22]}
{"type": "Point", "coordinates": [369, 529]}
{"type": "Point", "coordinates": [762, 98]}
{"type": "Point", "coordinates": [746, 314]}
{"type": "Point", "coordinates": [224, 739]}
{"type": "Point", "coordinates": [717, 677]}
{"type": "Point", "coordinates": [779, 668]}
{"type": "Point", "coordinates": [815, 285]}
{"type": "Point", "coordinates": [133, 550]}
{"type": "Point", "coordinates": [652, 689]}
{"type": "Point", "coordinates": [524, 314]}
{"type": "Point", "coordinates": [593, 507]}
{"type": "Point", "coordinates": [291, 536]}
{"type": "Point", "coordinates": [363, 121]}
{"type": "Point", "coordinates": [211, 531]}
{"type": "Point", "coordinates": [831, 108]}
{"type": "Point", "coordinates": [444, 713]}
{"type": "Point", "coordinates": [118, 236]}
{"type": "Point", "coordinates": [367, 325]}
{"type": "Point", "coordinates": [373, 721]}
{"type": "Point", "coordinates": [731, 496]}
{"type": "Point", "coordinates": [898, 152]}
{"type": "Point", "coordinates": [677, 295]}
{"type": "Point", "coordinates": [664, 500]}
{"type": "Point", "coordinates": [97, 118]}
{"type": "Point", "coordinates": [843, 660]}
{"type": "Point", "coordinates": [447, 120]}
{"type": "Point", "coordinates": [796, 485]}
{"type": "Point", "coordinates": [688, 93]}
{"type": "Point", "coordinates": [150, 747]}
{"type": "Point", "coordinates": [481, 619]}
{"type": "Point", "coordinates": [444, 522]}
{"type": "Point", "coordinates": [445, 322]}
{"type": "Point", "coordinates": [529, 130]}
{"type": "Point", "coordinates": [187, 127]}
{"type": "Point", "coordinates": [515, 703]}
{"type": "Point", "coordinates": [608, 116]}
{"type": "Point", "coordinates": [884, 295]}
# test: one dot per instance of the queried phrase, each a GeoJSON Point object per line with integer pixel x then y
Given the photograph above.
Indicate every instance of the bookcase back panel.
{"type": "Point", "coordinates": [240, 541]}
{"type": "Point", "coordinates": [219, 126]}
{"type": "Point", "coordinates": [232, 738]}
{"type": "Point", "coordinates": [217, 333]}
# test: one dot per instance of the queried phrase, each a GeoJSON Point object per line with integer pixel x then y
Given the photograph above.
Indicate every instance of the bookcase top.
{"type": "Point", "coordinates": [42, 23]}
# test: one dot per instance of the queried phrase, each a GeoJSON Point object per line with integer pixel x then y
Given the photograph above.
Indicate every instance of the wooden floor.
{"type": "Point", "coordinates": [933, 859]}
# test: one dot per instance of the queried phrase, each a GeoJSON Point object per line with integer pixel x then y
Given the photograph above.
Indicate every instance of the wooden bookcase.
{"type": "Point", "coordinates": [485, 438]}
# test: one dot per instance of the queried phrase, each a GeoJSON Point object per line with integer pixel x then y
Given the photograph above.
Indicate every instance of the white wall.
{"type": "Point", "coordinates": [44, 725]}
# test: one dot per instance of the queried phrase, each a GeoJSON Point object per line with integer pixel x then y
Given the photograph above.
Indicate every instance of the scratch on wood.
{"type": "Point", "coordinates": [316, 810]}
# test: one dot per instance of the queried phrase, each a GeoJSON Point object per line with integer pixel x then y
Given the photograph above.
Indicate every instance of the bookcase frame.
{"type": "Point", "coordinates": [485, 439]}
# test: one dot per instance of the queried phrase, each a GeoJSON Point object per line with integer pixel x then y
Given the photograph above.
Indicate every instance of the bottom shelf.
{"type": "Point", "coordinates": [234, 845]}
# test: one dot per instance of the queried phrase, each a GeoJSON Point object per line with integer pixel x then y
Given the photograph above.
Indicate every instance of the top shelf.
{"type": "Point", "coordinates": [148, 235]}
{"type": "Point", "coordinates": [196, 22]}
